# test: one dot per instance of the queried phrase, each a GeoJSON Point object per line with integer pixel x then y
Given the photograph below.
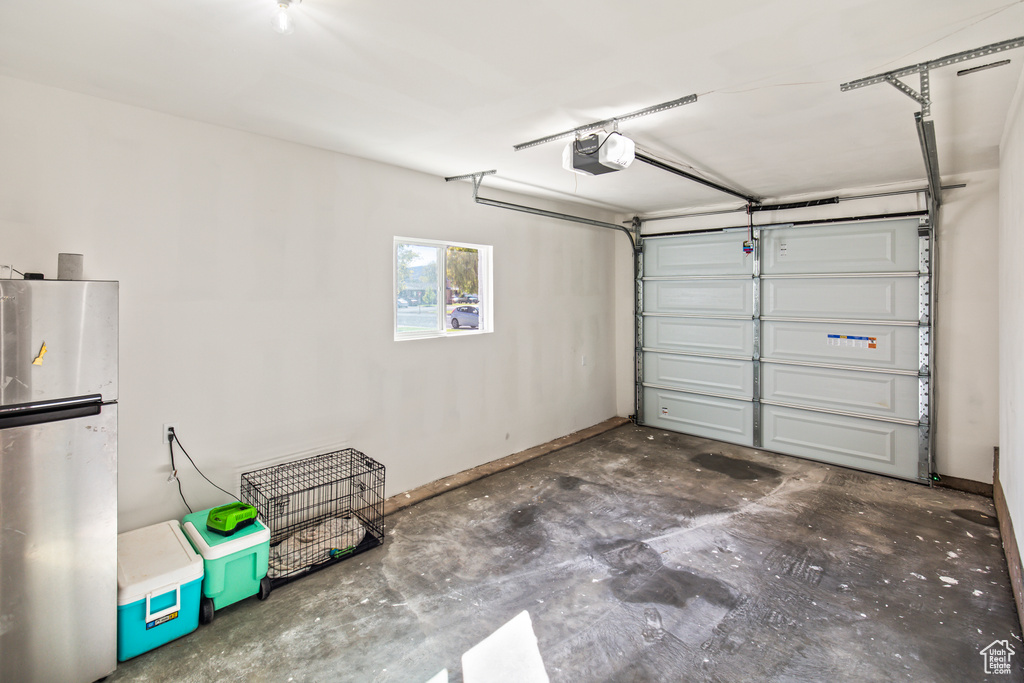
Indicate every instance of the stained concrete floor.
{"type": "Point", "coordinates": [642, 556]}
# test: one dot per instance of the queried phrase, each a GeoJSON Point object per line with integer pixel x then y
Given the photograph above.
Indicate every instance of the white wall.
{"type": "Point", "coordinates": [256, 288]}
{"type": "Point", "coordinates": [967, 370]}
{"type": "Point", "coordinates": [1011, 318]}
{"type": "Point", "coordinates": [255, 300]}
{"type": "Point", "coordinates": [967, 328]}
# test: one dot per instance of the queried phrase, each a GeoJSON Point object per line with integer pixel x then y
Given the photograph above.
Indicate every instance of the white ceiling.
{"type": "Point", "coordinates": [449, 87]}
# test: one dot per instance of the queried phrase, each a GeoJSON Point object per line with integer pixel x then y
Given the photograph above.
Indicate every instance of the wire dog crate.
{"type": "Point", "coordinates": [319, 510]}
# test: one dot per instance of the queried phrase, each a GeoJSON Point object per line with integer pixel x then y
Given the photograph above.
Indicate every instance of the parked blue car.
{"type": "Point", "coordinates": [465, 316]}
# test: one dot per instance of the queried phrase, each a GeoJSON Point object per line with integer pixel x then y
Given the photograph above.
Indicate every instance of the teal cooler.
{"type": "Point", "coordinates": [158, 583]}
{"type": "Point", "coordinates": [235, 564]}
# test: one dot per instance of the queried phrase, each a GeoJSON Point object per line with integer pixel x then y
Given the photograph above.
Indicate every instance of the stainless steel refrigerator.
{"type": "Point", "coordinates": [58, 480]}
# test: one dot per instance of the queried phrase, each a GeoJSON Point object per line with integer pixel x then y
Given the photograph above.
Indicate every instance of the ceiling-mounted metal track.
{"type": "Point", "coordinates": [798, 204]}
{"type": "Point", "coordinates": [671, 104]}
{"type": "Point", "coordinates": [926, 136]}
{"type": "Point", "coordinates": [923, 98]}
{"type": "Point", "coordinates": [475, 177]}
{"type": "Point", "coordinates": [478, 178]}
{"type": "Point", "coordinates": [983, 67]}
{"type": "Point", "coordinates": [926, 128]}
{"type": "Point", "coordinates": [640, 156]}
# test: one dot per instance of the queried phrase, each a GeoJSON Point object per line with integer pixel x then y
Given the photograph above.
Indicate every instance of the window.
{"type": "Point", "coordinates": [441, 289]}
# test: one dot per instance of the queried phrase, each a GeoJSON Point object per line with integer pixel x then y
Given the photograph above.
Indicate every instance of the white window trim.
{"type": "Point", "coordinates": [484, 277]}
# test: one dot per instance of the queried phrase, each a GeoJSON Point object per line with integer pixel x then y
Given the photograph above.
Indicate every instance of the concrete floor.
{"type": "Point", "coordinates": [642, 556]}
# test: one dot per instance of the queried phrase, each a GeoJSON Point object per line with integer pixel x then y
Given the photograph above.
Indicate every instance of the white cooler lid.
{"type": "Point", "coordinates": [227, 547]}
{"type": "Point", "coordinates": [152, 558]}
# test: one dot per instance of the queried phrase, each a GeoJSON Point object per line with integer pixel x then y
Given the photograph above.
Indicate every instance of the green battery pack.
{"type": "Point", "coordinates": [227, 519]}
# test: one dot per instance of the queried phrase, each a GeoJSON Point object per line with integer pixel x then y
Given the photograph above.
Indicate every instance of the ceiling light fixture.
{"type": "Point", "coordinates": [281, 20]}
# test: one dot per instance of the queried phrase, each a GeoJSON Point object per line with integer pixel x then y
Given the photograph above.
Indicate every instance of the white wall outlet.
{"type": "Point", "coordinates": [6, 272]}
{"type": "Point", "coordinates": [166, 433]}
{"type": "Point", "coordinates": [583, 360]}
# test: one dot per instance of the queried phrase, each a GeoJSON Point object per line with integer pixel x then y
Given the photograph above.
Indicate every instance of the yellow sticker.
{"type": "Point", "coordinates": [39, 358]}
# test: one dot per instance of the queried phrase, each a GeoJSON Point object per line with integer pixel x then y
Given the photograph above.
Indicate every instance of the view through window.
{"type": "Point", "coordinates": [441, 288]}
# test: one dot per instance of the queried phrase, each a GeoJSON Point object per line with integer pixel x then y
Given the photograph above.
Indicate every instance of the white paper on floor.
{"type": "Point", "coordinates": [441, 677]}
{"type": "Point", "coordinates": [509, 655]}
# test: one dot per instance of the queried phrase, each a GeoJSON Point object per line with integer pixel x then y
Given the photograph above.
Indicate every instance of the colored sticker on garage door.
{"type": "Point", "coordinates": [854, 341]}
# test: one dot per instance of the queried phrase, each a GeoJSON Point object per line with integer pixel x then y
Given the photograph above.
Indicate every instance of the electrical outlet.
{"type": "Point", "coordinates": [583, 360]}
{"type": "Point", "coordinates": [167, 428]}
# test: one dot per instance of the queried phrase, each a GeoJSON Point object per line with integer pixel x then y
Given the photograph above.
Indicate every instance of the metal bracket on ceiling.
{"type": "Point", "coordinates": [475, 177]}
{"type": "Point", "coordinates": [924, 98]}
{"type": "Point", "coordinates": [478, 178]}
{"type": "Point", "coordinates": [636, 226]}
{"type": "Point", "coordinates": [614, 121]}
{"type": "Point", "coordinates": [926, 128]}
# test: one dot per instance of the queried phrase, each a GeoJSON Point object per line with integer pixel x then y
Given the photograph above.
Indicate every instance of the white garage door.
{"type": "Point", "coordinates": [814, 343]}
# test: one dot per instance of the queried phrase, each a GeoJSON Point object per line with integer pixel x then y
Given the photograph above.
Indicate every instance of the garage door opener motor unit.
{"type": "Point", "coordinates": [598, 153]}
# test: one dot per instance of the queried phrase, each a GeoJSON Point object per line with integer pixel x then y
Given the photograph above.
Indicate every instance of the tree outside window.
{"type": "Point", "coordinates": [429, 306]}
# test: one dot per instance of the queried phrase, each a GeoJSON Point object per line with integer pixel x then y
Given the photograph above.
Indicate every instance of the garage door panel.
{"type": "Point", "coordinates": [718, 254]}
{"type": "Point", "coordinates": [699, 297]}
{"type": "Point", "coordinates": [881, 298]}
{"type": "Point", "coordinates": [832, 314]}
{"type": "Point", "coordinates": [867, 393]}
{"type": "Point", "coordinates": [885, 246]}
{"type": "Point", "coordinates": [708, 416]}
{"type": "Point", "coordinates": [882, 447]}
{"type": "Point", "coordinates": [870, 346]}
{"type": "Point", "coordinates": [703, 336]}
{"type": "Point", "coordinates": [711, 375]}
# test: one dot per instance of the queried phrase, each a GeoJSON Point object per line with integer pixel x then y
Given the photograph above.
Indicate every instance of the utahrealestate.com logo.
{"type": "Point", "coordinates": [997, 657]}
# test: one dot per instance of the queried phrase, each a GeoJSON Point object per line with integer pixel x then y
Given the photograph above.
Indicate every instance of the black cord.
{"type": "Point", "coordinates": [576, 145]}
{"type": "Point", "coordinates": [17, 271]}
{"type": "Point", "coordinates": [174, 472]}
{"type": "Point", "coordinates": [174, 438]}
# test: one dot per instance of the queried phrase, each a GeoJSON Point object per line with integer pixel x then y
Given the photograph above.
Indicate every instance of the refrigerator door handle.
{"type": "Point", "coordinates": [24, 414]}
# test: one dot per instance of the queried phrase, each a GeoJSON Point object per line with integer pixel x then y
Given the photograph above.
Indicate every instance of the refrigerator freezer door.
{"type": "Point", "coordinates": [58, 549]}
{"type": "Point", "coordinates": [57, 339]}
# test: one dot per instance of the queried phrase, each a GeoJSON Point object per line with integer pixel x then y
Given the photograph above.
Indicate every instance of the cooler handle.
{"type": "Point", "coordinates": [164, 612]}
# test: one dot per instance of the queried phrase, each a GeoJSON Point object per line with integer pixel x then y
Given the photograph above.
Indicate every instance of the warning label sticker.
{"type": "Point", "coordinates": [851, 340]}
{"type": "Point", "coordinates": [162, 620]}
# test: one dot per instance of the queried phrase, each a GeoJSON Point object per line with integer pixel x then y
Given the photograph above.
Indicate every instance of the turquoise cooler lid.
{"type": "Point", "coordinates": [213, 539]}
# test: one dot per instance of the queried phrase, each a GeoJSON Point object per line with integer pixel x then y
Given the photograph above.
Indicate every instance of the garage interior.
{"type": "Point", "coordinates": [743, 410]}
{"type": "Point", "coordinates": [640, 555]}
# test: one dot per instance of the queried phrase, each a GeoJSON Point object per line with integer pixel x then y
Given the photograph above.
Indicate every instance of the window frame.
{"type": "Point", "coordinates": [484, 280]}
